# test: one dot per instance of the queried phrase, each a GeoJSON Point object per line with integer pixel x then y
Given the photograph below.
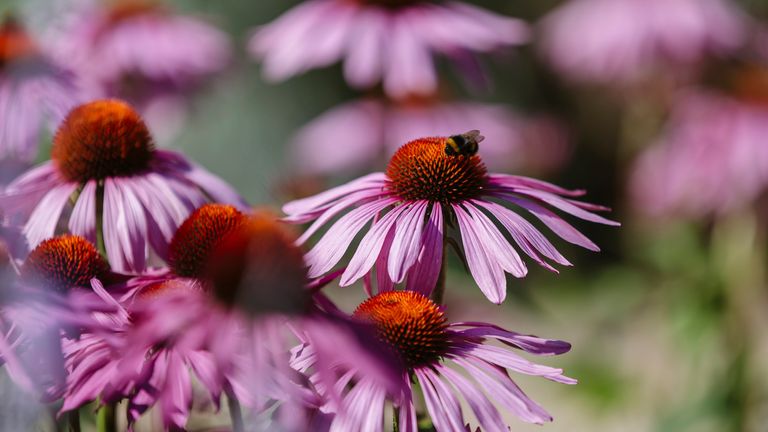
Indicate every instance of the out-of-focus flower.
{"type": "Point", "coordinates": [391, 42]}
{"type": "Point", "coordinates": [172, 326]}
{"type": "Point", "coordinates": [57, 290]}
{"type": "Point", "coordinates": [712, 158]}
{"type": "Point", "coordinates": [143, 52]}
{"type": "Point", "coordinates": [358, 134]}
{"type": "Point", "coordinates": [105, 166]}
{"type": "Point", "coordinates": [35, 93]}
{"type": "Point", "coordinates": [425, 191]}
{"type": "Point", "coordinates": [418, 332]}
{"type": "Point", "coordinates": [624, 40]}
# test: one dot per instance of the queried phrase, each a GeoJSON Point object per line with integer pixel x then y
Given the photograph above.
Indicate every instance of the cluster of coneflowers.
{"type": "Point", "coordinates": [145, 270]}
{"type": "Point", "coordinates": [135, 277]}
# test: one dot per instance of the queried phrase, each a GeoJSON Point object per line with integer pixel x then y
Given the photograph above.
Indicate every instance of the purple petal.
{"type": "Point", "coordinates": [370, 247]}
{"type": "Point", "coordinates": [329, 250]}
{"type": "Point", "coordinates": [82, 221]}
{"type": "Point", "coordinates": [524, 234]}
{"type": "Point", "coordinates": [125, 226]}
{"type": "Point", "coordinates": [486, 413]}
{"type": "Point", "coordinates": [316, 202]}
{"type": "Point", "coordinates": [43, 220]}
{"type": "Point", "coordinates": [507, 256]}
{"type": "Point", "coordinates": [566, 206]}
{"type": "Point", "coordinates": [509, 360]}
{"type": "Point", "coordinates": [423, 275]}
{"type": "Point", "coordinates": [559, 226]}
{"type": "Point", "coordinates": [527, 343]}
{"type": "Point", "coordinates": [327, 214]}
{"type": "Point", "coordinates": [501, 387]}
{"type": "Point", "coordinates": [445, 412]}
{"type": "Point", "coordinates": [486, 271]}
{"type": "Point", "coordinates": [406, 244]}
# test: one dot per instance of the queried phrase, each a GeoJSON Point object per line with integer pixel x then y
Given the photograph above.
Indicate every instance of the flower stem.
{"type": "Point", "coordinates": [235, 413]}
{"type": "Point", "coordinates": [396, 420]}
{"type": "Point", "coordinates": [73, 418]}
{"type": "Point", "coordinates": [439, 291]}
{"type": "Point", "coordinates": [106, 421]}
{"type": "Point", "coordinates": [100, 221]}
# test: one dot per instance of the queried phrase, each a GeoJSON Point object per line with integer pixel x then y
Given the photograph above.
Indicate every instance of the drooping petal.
{"type": "Point", "coordinates": [442, 404]}
{"type": "Point", "coordinates": [512, 361]}
{"type": "Point", "coordinates": [486, 271]}
{"type": "Point", "coordinates": [501, 388]}
{"type": "Point", "coordinates": [371, 246]}
{"type": "Point", "coordinates": [42, 222]}
{"type": "Point", "coordinates": [406, 243]}
{"type": "Point", "coordinates": [527, 343]}
{"type": "Point", "coordinates": [486, 413]}
{"type": "Point", "coordinates": [82, 221]}
{"type": "Point", "coordinates": [332, 246]}
{"type": "Point", "coordinates": [423, 275]}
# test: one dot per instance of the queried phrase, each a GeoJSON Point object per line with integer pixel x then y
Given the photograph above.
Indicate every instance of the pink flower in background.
{"type": "Point", "coordinates": [374, 129]}
{"type": "Point", "coordinates": [392, 43]}
{"type": "Point", "coordinates": [424, 192]}
{"type": "Point", "coordinates": [417, 331]}
{"type": "Point", "coordinates": [34, 94]}
{"type": "Point", "coordinates": [142, 52]}
{"type": "Point", "coordinates": [140, 43]}
{"type": "Point", "coordinates": [106, 169]}
{"type": "Point", "coordinates": [623, 40]}
{"type": "Point", "coordinates": [713, 157]}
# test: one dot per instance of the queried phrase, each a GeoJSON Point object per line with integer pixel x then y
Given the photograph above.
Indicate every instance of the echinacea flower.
{"type": "Point", "coordinates": [423, 192]}
{"type": "Point", "coordinates": [620, 41]}
{"type": "Point", "coordinates": [106, 168]}
{"type": "Point", "coordinates": [53, 294]}
{"type": "Point", "coordinates": [431, 350]}
{"type": "Point", "coordinates": [198, 319]}
{"type": "Point", "coordinates": [712, 157]}
{"type": "Point", "coordinates": [35, 94]}
{"type": "Point", "coordinates": [144, 52]}
{"type": "Point", "coordinates": [141, 43]}
{"type": "Point", "coordinates": [378, 128]}
{"type": "Point", "coordinates": [389, 41]}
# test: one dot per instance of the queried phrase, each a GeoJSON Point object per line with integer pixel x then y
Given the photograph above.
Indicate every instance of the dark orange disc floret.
{"type": "Point", "coordinates": [259, 268]}
{"type": "Point", "coordinates": [64, 262]}
{"type": "Point", "coordinates": [172, 286]}
{"type": "Point", "coordinates": [409, 322]}
{"type": "Point", "coordinates": [105, 138]}
{"type": "Point", "coordinates": [15, 43]}
{"type": "Point", "coordinates": [421, 170]}
{"type": "Point", "coordinates": [196, 238]}
{"type": "Point", "coordinates": [123, 10]}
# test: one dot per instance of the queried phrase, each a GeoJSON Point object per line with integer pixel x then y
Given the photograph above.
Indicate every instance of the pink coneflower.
{"type": "Point", "coordinates": [143, 52]}
{"type": "Point", "coordinates": [223, 313]}
{"type": "Point", "coordinates": [34, 94]}
{"type": "Point", "coordinates": [424, 192]}
{"type": "Point", "coordinates": [141, 43]}
{"type": "Point", "coordinates": [378, 128]}
{"type": "Point", "coordinates": [417, 331]}
{"type": "Point", "coordinates": [389, 41]}
{"type": "Point", "coordinates": [623, 40]}
{"type": "Point", "coordinates": [712, 158]}
{"type": "Point", "coordinates": [105, 167]}
{"type": "Point", "coordinates": [52, 294]}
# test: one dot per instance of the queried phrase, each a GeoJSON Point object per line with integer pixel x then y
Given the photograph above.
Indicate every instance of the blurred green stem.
{"type": "Point", "coordinates": [439, 291]}
{"type": "Point", "coordinates": [100, 220]}
{"type": "Point", "coordinates": [106, 421]}
{"type": "Point", "coordinates": [73, 418]}
{"type": "Point", "coordinates": [235, 413]}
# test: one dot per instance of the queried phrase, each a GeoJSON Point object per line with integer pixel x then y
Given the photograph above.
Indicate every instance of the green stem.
{"type": "Point", "coordinates": [73, 418]}
{"type": "Point", "coordinates": [439, 291]}
{"type": "Point", "coordinates": [100, 220]}
{"type": "Point", "coordinates": [106, 421]}
{"type": "Point", "coordinates": [396, 420]}
{"type": "Point", "coordinates": [235, 413]}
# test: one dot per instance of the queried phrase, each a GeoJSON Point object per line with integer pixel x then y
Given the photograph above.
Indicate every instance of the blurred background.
{"type": "Point", "coordinates": [658, 108]}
